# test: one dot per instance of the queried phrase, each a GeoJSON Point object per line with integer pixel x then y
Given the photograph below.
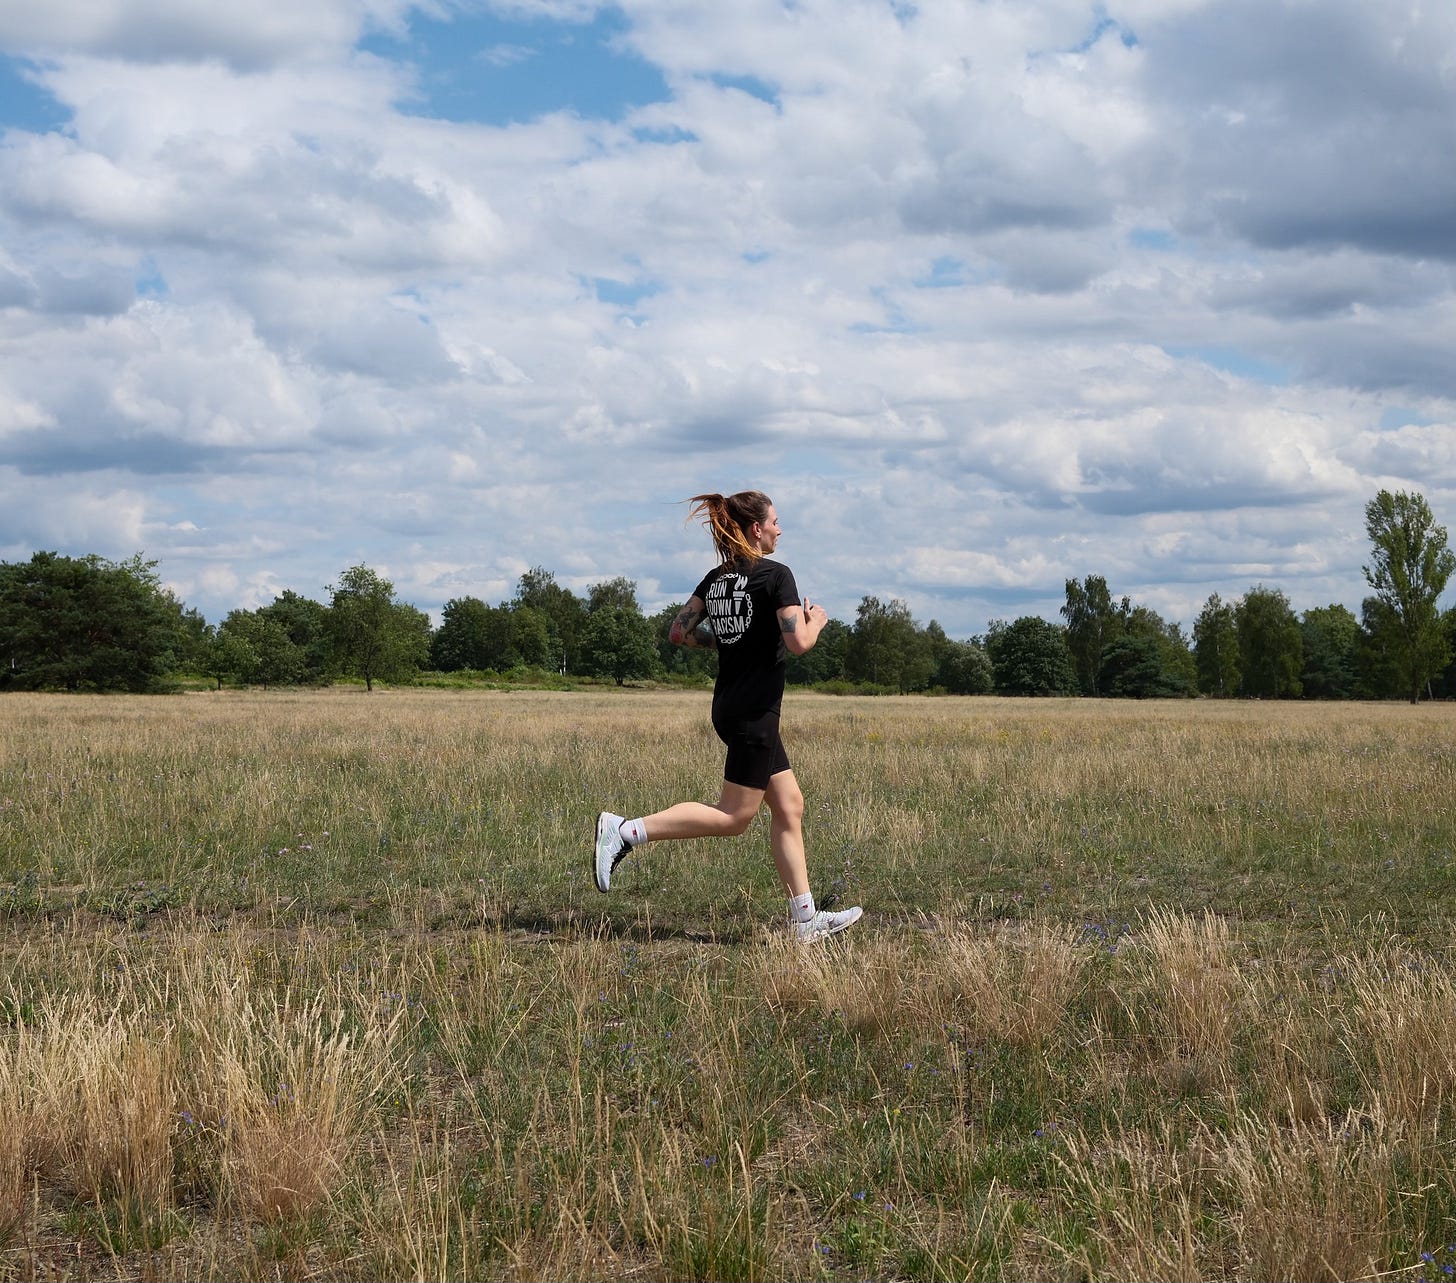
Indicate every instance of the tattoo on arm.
{"type": "Point", "coordinates": [788, 623]}
{"type": "Point", "coordinates": [692, 630]}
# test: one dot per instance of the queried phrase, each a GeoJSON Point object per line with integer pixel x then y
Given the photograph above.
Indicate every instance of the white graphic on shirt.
{"type": "Point", "coordinates": [730, 608]}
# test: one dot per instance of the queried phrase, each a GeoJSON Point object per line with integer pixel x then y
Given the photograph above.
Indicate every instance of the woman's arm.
{"type": "Point", "coordinates": [801, 628]}
{"type": "Point", "coordinates": [690, 627]}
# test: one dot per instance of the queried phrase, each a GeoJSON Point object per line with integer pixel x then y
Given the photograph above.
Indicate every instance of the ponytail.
{"type": "Point", "coordinates": [729, 519]}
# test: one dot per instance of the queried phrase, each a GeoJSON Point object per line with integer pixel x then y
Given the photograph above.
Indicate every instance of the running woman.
{"type": "Point", "coordinates": [747, 609]}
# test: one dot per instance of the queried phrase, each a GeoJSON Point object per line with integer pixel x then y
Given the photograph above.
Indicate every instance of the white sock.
{"type": "Point", "coordinates": [634, 832]}
{"type": "Point", "coordinates": [801, 907]}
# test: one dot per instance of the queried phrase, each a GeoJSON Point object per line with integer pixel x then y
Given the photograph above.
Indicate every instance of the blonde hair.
{"type": "Point", "coordinates": [729, 519]}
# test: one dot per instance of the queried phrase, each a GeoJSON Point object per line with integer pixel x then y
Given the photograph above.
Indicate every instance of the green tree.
{"type": "Point", "coordinates": [1331, 637]}
{"type": "Point", "coordinates": [470, 635]}
{"type": "Point", "coordinates": [1178, 659]}
{"type": "Point", "coordinates": [85, 623]}
{"type": "Point", "coordinates": [372, 635]}
{"type": "Point", "coordinates": [1092, 623]}
{"type": "Point", "coordinates": [825, 660]}
{"type": "Point", "coordinates": [194, 638]}
{"type": "Point", "coordinates": [1409, 568]}
{"type": "Point", "coordinates": [305, 622]}
{"type": "Point", "coordinates": [1271, 649]}
{"type": "Point", "coordinates": [224, 656]}
{"type": "Point", "coordinates": [1029, 656]}
{"type": "Point", "coordinates": [1216, 648]}
{"type": "Point", "coordinates": [474, 635]}
{"type": "Point", "coordinates": [886, 649]}
{"type": "Point", "coordinates": [1378, 673]}
{"type": "Point", "coordinates": [531, 637]}
{"type": "Point", "coordinates": [1147, 659]}
{"type": "Point", "coordinates": [961, 667]}
{"type": "Point", "coordinates": [616, 642]}
{"type": "Point", "coordinates": [615, 594]}
{"type": "Point", "coordinates": [564, 611]}
{"type": "Point", "coordinates": [1136, 666]}
{"type": "Point", "coordinates": [262, 649]}
{"type": "Point", "coordinates": [1445, 684]}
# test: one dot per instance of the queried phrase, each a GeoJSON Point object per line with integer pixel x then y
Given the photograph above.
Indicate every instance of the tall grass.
{"type": "Point", "coordinates": [318, 985]}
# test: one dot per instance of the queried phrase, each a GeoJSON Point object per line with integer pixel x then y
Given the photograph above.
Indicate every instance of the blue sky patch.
{"type": "Point", "coordinates": [150, 283]}
{"type": "Point", "coordinates": [945, 273]}
{"type": "Point", "coordinates": [24, 104]}
{"type": "Point", "coordinates": [484, 69]}
{"type": "Point", "coordinates": [1152, 238]}
{"type": "Point", "coordinates": [751, 85]}
{"type": "Point", "coordinates": [1232, 360]}
{"type": "Point", "coordinates": [667, 135]}
{"type": "Point", "coordinates": [1402, 416]}
{"type": "Point", "coordinates": [1107, 26]}
{"type": "Point", "coordinates": [895, 322]}
{"type": "Point", "coordinates": [622, 293]}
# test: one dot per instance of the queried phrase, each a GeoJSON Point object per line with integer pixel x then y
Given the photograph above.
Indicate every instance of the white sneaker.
{"type": "Point", "coordinates": [612, 847]}
{"type": "Point", "coordinates": [824, 924]}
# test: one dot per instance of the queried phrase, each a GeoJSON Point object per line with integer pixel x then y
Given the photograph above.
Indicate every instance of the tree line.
{"type": "Point", "coordinates": [89, 624]}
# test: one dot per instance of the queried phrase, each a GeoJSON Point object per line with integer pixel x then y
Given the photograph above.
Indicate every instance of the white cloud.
{"type": "Point", "coordinates": [263, 33]}
{"type": "Point", "coordinates": [987, 296]}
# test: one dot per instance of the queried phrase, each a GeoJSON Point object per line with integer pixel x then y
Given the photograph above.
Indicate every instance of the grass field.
{"type": "Point", "coordinates": [318, 985]}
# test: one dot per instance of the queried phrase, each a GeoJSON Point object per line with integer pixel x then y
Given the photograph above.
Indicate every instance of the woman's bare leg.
{"type": "Point", "coordinates": [786, 832]}
{"type": "Point", "coordinates": [734, 812]}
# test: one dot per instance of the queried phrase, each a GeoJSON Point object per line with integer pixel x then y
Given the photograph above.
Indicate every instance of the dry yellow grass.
{"type": "Point", "coordinates": [1145, 1193]}
{"type": "Point", "coordinates": [1402, 1021]}
{"type": "Point", "coordinates": [318, 984]}
{"type": "Point", "coordinates": [1312, 1201]}
{"type": "Point", "coordinates": [1014, 985]}
{"type": "Point", "coordinates": [1195, 981]}
{"type": "Point", "coordinates": [15, 1100]}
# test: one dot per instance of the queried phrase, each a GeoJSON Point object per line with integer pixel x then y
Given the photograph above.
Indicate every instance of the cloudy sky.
{"type": "Point", "coordinates": [984, 293]}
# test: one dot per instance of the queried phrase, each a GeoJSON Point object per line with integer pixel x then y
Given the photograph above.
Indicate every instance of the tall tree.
{"type": "Point", "coordinates": [531, 637]}
{"type": "Point", "coordinates": [824, 660]}
{"type": "Point", "coordinates": [1148, 659]}
{"type": "Point", "coordinates": [305, 622]}
{"type": "Point", "coordinates": [961, 667]}
{"type": "Point", "coordinates": [471, 635]}
{"type": "Point", "coordinates": [1271, 649]}
{"type": "Point", "coordinates": [263, 651]}
{"type": "Point", "coordinates": [1092, 622]}
{"type": "Point", "coordinates": [565, 613]}
{"type": "Point", "coordinates": [1409, 568]}
{"type": "Point", "coordinates": [1029, 656]}
{"type": "Point", "coordinates": [1445, 683]}
{"type": "Point", "coordinates": [224, 656]}
{"type": "Point", "coordinates": [1216, 648]}
{"type": "Point", "coordinates": [616, 641]}
{"type": "Point", "coordinates": [618, 593]}
{"type": "Point", "coordinates": [1377, 671]}
{"type": "Point", "coordinates": [1331, 636]}
{"type": "Point", "coordinates": [885, 647]}
{"type": "Point", "coordinates": [373, 636]}
{"type": "Point", "coordinates": [85, 623]}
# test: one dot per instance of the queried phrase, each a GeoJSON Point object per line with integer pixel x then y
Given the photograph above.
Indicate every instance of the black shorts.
{"type": "Point", "coordinates": [755, 751]}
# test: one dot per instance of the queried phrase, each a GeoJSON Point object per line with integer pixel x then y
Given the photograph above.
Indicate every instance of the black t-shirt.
{"type": "Point", "coordinates": [743, 600]}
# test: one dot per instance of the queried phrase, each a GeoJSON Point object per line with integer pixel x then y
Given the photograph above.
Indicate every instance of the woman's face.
{"type": "Point", "coordinates": [768, 531]}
